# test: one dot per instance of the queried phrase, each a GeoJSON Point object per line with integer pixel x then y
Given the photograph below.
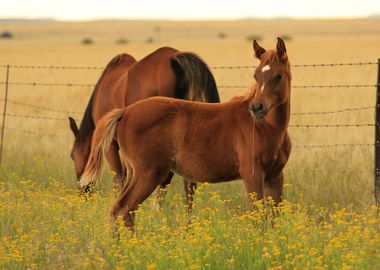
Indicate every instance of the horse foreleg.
{"type": "Point", "coordinates": [189, 189]}
{"type": "Point", "coordinates": [254, 183]}
{"type": "Point", "coordinates": [162, 191]}
{"type": "Point", "coordinates": [117, 167]}
{"type": "Point", "coordinates": [273, 187]}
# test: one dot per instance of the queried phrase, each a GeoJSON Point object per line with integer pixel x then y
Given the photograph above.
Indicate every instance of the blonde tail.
{"type": "Point", "coordinates": [101, 141]}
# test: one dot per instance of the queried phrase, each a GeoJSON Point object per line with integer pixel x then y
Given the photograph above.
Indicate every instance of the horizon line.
{"type": "Point", "coordinates": [141, 18]}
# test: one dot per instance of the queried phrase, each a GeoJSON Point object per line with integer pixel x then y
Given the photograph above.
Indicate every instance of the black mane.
{"type": "Point", "coordinates": [87, 126]}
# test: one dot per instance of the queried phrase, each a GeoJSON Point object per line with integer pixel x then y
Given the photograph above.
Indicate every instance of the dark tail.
{"type": "Point", "coordinates": [194, 78]}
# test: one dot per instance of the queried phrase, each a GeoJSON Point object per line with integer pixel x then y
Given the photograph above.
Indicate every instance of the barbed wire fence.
{"type": "Point", "coordinates": [77, 114]}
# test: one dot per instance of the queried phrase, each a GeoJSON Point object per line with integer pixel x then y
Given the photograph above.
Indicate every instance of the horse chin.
{"type": "Point", "coordinates": [259, 119]}
{"type": "Point", "coordinates": [259, 116]}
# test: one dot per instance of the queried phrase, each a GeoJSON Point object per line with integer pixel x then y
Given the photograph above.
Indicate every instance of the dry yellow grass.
{"type": "Point", "coordinates": [58, 43]}
{"type": "Point", "coordinates": [44, 224]}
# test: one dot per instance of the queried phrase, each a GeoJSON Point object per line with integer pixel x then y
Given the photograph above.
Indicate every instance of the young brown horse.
{"type": "Point", "coordinates": [245, 137]}
{"type": "Point", "coordinates": [165, 72]}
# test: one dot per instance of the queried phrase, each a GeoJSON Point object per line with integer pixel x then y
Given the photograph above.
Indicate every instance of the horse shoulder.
{"type": "Point", "coordinates": [119, 63]}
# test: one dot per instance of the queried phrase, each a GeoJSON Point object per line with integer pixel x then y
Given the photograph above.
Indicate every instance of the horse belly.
{"type": "Point", "coordinates": [207, 168]}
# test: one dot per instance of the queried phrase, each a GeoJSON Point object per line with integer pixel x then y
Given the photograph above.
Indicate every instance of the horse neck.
{"type": "Point", "coordinates": [279, 116]}
{"type": "Point", "coordinates": [87, 126]}
{"type": "Point", "coordinates": [277, 119]}
{"type": "Point", "coordinates": [86, 129]}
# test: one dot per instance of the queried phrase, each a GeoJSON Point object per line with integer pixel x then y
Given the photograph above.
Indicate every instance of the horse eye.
{"type": "Point", "coordinates": [278, 77]}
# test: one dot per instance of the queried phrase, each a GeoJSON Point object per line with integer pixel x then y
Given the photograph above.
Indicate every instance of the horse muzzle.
{"type": "Point", "coordinates": [86, 189]}
{"type": "Point", "coordinates": [259, 110]}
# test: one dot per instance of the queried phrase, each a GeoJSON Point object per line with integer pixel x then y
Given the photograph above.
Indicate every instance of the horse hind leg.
{"type": "Point", "coordinates": [141, 187]}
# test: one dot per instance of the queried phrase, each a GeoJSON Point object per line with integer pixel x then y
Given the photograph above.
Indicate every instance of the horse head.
{"type": "Point", "coordinates": [272, 77]}
{"type": "Point", "coordinates": [80, 150]}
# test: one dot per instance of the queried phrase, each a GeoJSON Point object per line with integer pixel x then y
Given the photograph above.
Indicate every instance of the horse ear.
{"type": "Point", "coordinates": [73, 126]}
{"type": "Point", "coordinates": [258, 49]}
{"type": "Point", "coordinates": [281, 50]}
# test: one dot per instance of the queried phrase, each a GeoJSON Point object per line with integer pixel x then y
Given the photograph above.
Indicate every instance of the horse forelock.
{"type": "Point", "coordinates": [270, 58]}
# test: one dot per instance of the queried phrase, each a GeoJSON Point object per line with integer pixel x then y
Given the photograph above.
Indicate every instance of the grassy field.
{"type": "Point", "coordinates": [327, 221]}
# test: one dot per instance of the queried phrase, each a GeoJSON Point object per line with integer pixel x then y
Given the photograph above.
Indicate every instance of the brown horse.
{"type": "Point", "coordinates": [165, 72]}
{"type": "Point", "coordinates": [245, 137]}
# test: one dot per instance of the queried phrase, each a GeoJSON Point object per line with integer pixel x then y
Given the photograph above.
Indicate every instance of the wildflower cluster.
{"type": "Point", "coordinates": [53, 227]}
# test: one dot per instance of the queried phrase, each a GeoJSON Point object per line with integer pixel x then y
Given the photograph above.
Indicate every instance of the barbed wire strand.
{"type": "Point", "coordinates": [336, 86]}
{"type": "Point", "coordinates": [295, 113]}
{"type": "Point", "coordinates": [211, 67]}
{"type": "Point", "coordinates": [307, 86]}
{"type": "Point", "coordinates": [220, 86]}
{"type": "Point", "coordinates": [53, 67]}
{"type": "Point", "coordinates": [302, 65]}
{"type": "Point", "coordinates": [50, 84]}
{"type": "Point", "coordinates": [330, 125]}
{"type": "Point", "coordinates": [40, 107]}
{"type": "Point", "coordinates": [304, 171]}
{"type": "Point", "coordinates": [295, 146]}
{"type": "Point", "coordinates": [335, 112]}
{"type": "Point", "coordinates": [336, 145]}
{"type": "Point", "coordinates": [36, 117]}
{"type": "Point", "coordinates": [291, 126]}
{"type": "Point", "coordinates": [30, 132]}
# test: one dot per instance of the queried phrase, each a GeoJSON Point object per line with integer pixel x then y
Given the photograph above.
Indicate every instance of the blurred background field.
{"type": "Point", "coordinates": [318, 175]}
{"type": "Point", "coordinates": [44, 224]}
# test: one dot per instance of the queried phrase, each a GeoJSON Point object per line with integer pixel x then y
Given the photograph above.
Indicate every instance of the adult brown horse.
{"type": "Point", "coordinates": [165, 72]}
{"type": "Point", "coordinates": [245, 137]}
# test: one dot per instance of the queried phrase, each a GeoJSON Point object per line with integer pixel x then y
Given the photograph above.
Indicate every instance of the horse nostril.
{"type": "Point", "coordinates": [256, 107]}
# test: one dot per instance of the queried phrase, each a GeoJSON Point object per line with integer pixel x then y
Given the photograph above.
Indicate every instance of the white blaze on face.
{"type": "Point", "coordinates": [265, 68]}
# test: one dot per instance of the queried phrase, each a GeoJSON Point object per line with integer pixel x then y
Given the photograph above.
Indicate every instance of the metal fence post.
{"type": "Point", "coordinates": [377, 138]}
{"type": "Point", "coordinates": [4, 114]}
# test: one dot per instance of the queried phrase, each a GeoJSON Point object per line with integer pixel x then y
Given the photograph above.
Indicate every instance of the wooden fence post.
{"type": "Point", "coordinates": [4, 114]}
{"type": "Point", "coordinates": [377, 138]}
